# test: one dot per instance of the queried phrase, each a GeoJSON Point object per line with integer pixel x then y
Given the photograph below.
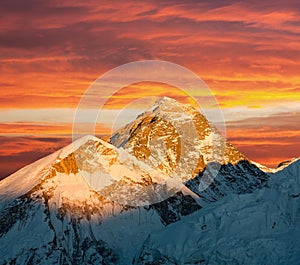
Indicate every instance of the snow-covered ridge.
{"type": "Point", "coordinates": [90, 163]}
{"type": "Point", "coordinates": [31, 175]}
{"type": "Point", "coordinates": [280, 167]}
{"type": "Point", "coordinates": [285, 164]}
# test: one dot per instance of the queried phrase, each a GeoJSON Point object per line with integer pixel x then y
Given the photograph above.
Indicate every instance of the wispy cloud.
{"type": "Point", "coordinates": [17, 152]}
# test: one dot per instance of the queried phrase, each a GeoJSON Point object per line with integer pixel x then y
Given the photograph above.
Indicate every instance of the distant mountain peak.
{"type": "Point", "coordinates": [166, 100]}
{"type": "Point", "coordinates": [171, 107]}
{"type": "Point", "coordinates": [286, 163]}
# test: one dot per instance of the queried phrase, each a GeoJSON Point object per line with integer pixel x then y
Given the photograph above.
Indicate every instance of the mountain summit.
{"type": "Point", "coordinates": [170, 135]}
{"type": "Point", "coordinates": [136, 199]}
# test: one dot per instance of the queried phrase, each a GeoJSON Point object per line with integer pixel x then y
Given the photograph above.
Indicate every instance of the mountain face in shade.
{"type": "Point", "coordinates": [92, 202]}
{"type": "Point", "coordinates": [262, 227]}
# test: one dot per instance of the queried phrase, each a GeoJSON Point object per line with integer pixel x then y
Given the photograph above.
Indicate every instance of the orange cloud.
{"type": "Point", "coordinates": [46, 128]}
{"type": "Point", "coordinates": [267, 140]}
{"type": "Point", "coordinates": [248, 53]}
{"type": "Point", "coordinates": [229, 43]}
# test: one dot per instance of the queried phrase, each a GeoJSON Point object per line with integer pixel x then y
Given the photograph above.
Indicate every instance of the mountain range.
{"type": "Point", "coordinates": [166, 188]}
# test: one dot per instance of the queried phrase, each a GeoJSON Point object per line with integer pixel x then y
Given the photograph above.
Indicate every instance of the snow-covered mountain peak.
{"type": "Point", "coordinates": [281, 166]}
{"type": "Point", "coordinates": [171, 135]}
{"type": "Point", "coordinates": [169, 104]}
{"type": "Point", "coordinates": [172, 109]}
{"type": "Point", "coordinates": [31, 175]}
{"type": "Point", "coordinates": [87, 166]}
{"type": "Point", "coordinates": [285, 164]}
{"type": "Point", "coordinates": [165, 100]}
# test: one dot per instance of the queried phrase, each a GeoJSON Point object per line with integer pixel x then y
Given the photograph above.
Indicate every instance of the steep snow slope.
{"type": "Point", "coordinates": [258, 228]}
{"type": "Point", "coordinates": [243, 177]}
{"type": "Point", "coordinates": [29, 176]}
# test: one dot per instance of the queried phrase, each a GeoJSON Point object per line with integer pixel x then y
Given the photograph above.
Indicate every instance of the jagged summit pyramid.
{"type": "Point", "coordinates": [170, 135]}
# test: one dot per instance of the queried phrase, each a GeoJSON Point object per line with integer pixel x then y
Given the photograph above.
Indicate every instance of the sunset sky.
{"type": "Point", "coordinates": [248, 53]}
